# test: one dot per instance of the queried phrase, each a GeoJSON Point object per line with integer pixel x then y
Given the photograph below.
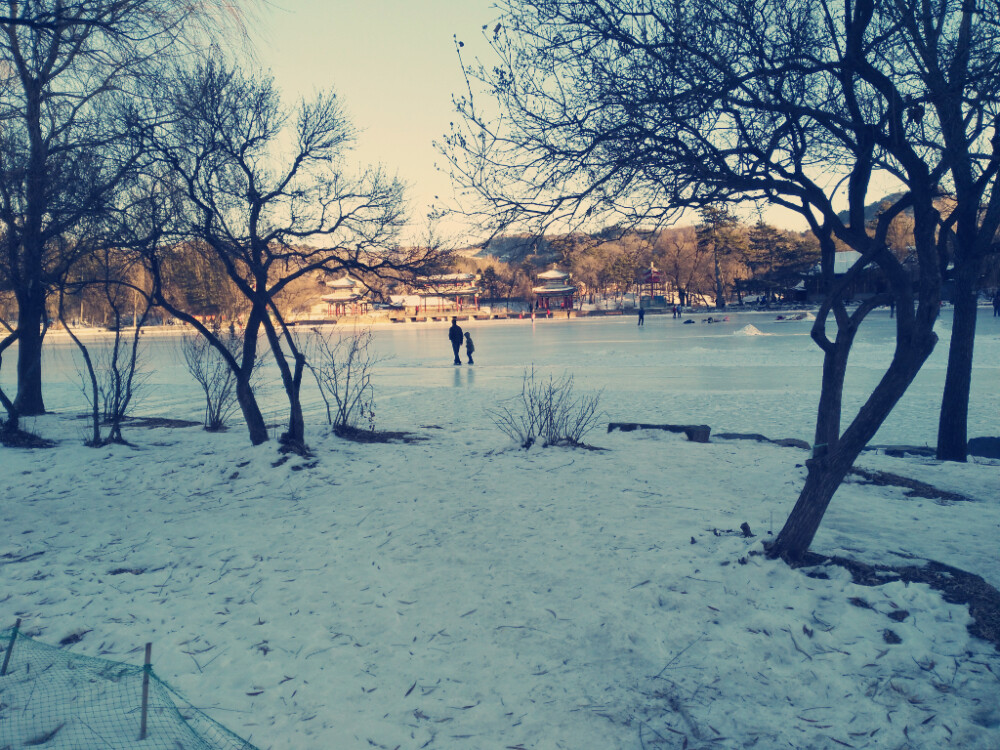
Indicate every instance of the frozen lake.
{"type": "Point", "coordinates": [664, 371]}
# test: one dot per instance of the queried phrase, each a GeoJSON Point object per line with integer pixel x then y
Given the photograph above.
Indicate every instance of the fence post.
{"type": "Point", "coordinates": [10, 647]}
{"type": "Point", "coordinates": [145, 690]}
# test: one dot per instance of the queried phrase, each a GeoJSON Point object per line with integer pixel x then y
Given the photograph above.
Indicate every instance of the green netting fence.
{"type": "Point", "coordinates": [51, 699]}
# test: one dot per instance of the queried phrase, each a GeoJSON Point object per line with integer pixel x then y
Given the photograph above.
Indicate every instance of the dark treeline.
{"type": "Point", "coordinates": [753, 261]}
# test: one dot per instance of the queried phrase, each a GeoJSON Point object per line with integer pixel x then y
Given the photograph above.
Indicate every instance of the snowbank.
{"type": "Point", "coordinates": [750, 330]}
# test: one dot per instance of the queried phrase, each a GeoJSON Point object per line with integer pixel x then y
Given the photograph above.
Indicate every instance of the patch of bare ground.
{"type": "Point", "coordinates": [913, 487]}
{"type": "Point", "coordinates": [569, 443]}
{"type": "Point", "coordinates": [17, 438]}
{"type": "Point", "coordinates": [956, 586]}
{"type": "Point", "coordinates": [358, 435]}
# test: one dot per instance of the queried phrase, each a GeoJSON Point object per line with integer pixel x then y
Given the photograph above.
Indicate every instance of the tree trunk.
{"type": "Point", "coordinates": [12, 424]}
{"type": "Point", "coordinates": [251, 410]}
{"type": "Point", "coordinates": [822, 481]}
{"type": "Point", "coordinates": [296, 423]}
{"type": "Point", "coordinates": [720, 299]}
{"type": "Point", "coordinates": [31, 291]}
{"type": "Point", "coordinates": [828, 470]}
{"type": "Point", "coordinates": [31, 312]}
{"type": "Point", "coordinates": [831, 398]}
{"type": "Point", "coordinates": [292, 381]}
{"type": "Point", "coordinates": [953, 421]}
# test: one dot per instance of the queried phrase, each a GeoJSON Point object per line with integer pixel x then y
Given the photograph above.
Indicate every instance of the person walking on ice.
{"type": "Point", "coordinates": [469, 347]}
{"type": "Point", "coordinates": [455, 336]}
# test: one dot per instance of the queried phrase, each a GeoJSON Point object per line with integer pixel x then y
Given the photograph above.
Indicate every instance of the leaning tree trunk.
{"type": "Point", "coordinates": [831, 397]}
{"type": "Point", "coordinates": [12, 424]}
{"type": "Point", "coordinates": [953, 421]}
{"type": "Point", "coordinates": [827, 471]}
{"type": "Point", "coordinates": [247, 400]}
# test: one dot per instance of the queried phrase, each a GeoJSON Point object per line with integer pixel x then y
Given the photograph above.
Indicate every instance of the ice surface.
{"type": "Point", "coordinates": [663, 370]}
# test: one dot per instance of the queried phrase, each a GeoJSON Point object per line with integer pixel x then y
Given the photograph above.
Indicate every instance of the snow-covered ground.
{"type": "Point", "coordinates": [458, 592]}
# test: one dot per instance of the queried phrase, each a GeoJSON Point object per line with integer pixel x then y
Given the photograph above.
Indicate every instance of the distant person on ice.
{"type": "Point", "coordinates": [455, 336]}
{"type": "Point", "coordinates": [469, 347]}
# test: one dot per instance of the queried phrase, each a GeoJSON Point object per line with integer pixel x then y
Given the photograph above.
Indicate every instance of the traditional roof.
{"type": "Point", "coordinates": [340, 296]}
{"type": "Point", "coordinates": [553, 274]}
{"type": "Point", "coordinates": [343, 283]}
{"type": "Point", "coordinates": [554, 290]}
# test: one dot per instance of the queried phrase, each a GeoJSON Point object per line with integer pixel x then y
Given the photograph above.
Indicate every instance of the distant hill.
{"type": "Point", "coordinates": [514, 249]}
{"type": "Point", "coordinates": [871, 210]}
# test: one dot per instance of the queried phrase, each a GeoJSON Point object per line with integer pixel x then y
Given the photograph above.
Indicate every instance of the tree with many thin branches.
{"type": "Point", "coordinates": [70, 74]}
{"type": "Point", "coordinates": [642, 108]}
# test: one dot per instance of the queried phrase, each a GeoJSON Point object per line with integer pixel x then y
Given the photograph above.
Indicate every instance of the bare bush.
{"type": "Point", "coordinates": [548, 412]}
{"type": "Point", "coordinates": [210, 369]}
{"type": "Point", "coordinates": [342, 363]}
{"type": "Point", "coordinates": [120, 379]}
{"type": "Point", "coordinates": [112, 377]}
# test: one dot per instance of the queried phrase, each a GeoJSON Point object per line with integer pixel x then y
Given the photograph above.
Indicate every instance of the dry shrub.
{"type": "Point", "coordinates": [547, 412]}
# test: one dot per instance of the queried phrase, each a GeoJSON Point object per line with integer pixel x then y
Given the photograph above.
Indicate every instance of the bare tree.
{"type": "Point", "coordinates": [342, 364]}
{"type": "Point", "coordinates": [113, 373]}
{"type": "Point", "coordinates": [718, 234]}
{"type": "Point", "coordinates": [69, 75]}
{"type": "Point", "coordinates": [642, 107]}
{"type": "Point", "coordinates": [266, 192]}
{"type": "Point", "coordinates": [213, 373]}
{"type": "Point", "coordinates": [684, 265]}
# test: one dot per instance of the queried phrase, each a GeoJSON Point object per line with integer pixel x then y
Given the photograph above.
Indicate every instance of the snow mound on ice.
{"type": "Point", "coordinates": [750, 330]}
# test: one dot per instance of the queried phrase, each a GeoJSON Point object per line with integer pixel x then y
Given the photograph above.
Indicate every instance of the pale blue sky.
{"type": "Point", "coordinates": [394, 64]}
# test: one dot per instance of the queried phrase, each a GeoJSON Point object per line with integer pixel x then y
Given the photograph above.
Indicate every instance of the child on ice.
{"type": "Point", "coordinates": [469, 347]}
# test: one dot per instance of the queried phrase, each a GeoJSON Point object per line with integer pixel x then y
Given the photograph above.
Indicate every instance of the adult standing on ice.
{"type": "Point", "coordinates": [455, 336]}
